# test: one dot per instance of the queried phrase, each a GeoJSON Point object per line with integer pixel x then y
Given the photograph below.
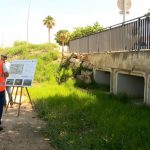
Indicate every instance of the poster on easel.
{"type": "Point", "coordinates": [21, 73]}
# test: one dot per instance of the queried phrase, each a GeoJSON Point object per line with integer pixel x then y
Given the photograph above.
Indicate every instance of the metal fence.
{"type": "Point", "coordinates": [130, 35]}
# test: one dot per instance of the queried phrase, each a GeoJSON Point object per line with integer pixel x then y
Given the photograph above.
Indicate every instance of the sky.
{"type": "Point", "coordinates": [68, 14]}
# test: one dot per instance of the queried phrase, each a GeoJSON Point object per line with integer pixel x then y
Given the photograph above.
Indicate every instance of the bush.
{"type": "Point", "coordinates": [46, 47]}
{"type": "Point", "coordinates": [19, 43]}
{"type": "Point", "coordinates": [18, 50]}
{"type": "Point", "coordinates": [46, 54]}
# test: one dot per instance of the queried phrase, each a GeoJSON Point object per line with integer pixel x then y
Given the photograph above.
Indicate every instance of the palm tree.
{"type": "Point", "coordinates": [62, 37]}
{"type": "Point", "coordinates": [49, 22]}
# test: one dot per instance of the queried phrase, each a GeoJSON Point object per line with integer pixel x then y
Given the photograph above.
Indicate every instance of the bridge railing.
{"type": "Point", "coordinates": [130, 35]}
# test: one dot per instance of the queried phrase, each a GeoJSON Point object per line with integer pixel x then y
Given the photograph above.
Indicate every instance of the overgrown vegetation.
{"type": "Point", "coordinates": [80, 119]}
{"type": "Point", "coordinates": [85, 31]}
{"type": "Point", "coordinates": [78, 32]}
{"type": "Point", "coordinates": [23, 49]}
{"type": "Point", "coordinates": [86, 117]}
{"type": "Point", "coordinates": [46, 54]}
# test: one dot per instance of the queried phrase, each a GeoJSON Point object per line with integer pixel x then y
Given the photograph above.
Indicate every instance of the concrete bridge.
{"type": "Point", "coordinates": [121, 57]}
{"type": "Point", "coordinates": [125, 72]}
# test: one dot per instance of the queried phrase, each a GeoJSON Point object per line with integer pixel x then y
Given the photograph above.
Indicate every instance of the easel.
{"type": "Point", "coordinates": [20, 98]}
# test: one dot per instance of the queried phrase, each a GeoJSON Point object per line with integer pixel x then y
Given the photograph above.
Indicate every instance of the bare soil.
{"type": "Point", "coordinates": [23, 132]}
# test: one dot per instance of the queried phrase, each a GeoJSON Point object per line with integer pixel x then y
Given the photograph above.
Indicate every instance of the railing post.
{"type": "Point", "coordinates": [123, 35]}
{"type": "Point", "coordinates": [110, 39]}
{"type": "Point", "coordinates": [138, 35]}
{"type": "Point", "coordinates": [128, 37]}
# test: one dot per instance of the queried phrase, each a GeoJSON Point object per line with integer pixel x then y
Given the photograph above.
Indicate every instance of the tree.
{"type": "Point", "coordinates": [148, 16]}
{"type": "Point", "coordinates": [62, 37]}
{"type": "Point", "coordinates": [85, 31]}
{"type": "Point", "coordinates": [49, 22]}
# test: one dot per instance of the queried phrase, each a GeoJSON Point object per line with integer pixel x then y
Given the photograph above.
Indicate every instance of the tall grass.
{"type": "Point", "coordinates": [79, 119]}
{"type": "Point", "coordinates": [46, 55]}
{"type": "Point", "coordinates": [22, 48]}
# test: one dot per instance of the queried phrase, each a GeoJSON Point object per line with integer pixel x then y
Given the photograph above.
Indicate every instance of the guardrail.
{"type": "Point", "coordinates": [130, 35]}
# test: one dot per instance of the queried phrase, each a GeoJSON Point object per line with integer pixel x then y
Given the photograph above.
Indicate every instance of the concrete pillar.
{"type": "Point", "coordinates": [113, 81]}
{"type": "Point", "coordinates": [147, 89]}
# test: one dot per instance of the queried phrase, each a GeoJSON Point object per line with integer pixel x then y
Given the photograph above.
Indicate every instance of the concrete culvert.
{"type": "Point", "coordinates": [131, 85]}
{"type": "Point", "coordinates": [102, 77]}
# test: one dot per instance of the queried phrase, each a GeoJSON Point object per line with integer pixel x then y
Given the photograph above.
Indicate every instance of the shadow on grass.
{"type": "Point", "coordinates": [91, 86]}
{"type": "Point", "coordinates": [95, 121]}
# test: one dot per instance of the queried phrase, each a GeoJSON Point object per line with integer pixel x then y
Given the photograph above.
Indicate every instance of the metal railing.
{"type": "Point", "coordinates": [130, 35]}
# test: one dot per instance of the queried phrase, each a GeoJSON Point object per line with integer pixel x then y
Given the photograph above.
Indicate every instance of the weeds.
{"type": "Point", "coordinates": [80, 119]}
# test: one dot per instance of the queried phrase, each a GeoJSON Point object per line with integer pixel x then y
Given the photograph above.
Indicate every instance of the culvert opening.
{"type": "Point", "coordinates": [102, 78]}
{"type": "Point", "coordinates": [131, 85]}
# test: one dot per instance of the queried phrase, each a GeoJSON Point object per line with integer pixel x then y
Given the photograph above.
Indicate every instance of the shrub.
{"type": "Point", "coordinates": [46, 47]}
{"type": "Point", "coordinates": [19, 43]}
{"type": "Point", "coordinates": [18, 50]}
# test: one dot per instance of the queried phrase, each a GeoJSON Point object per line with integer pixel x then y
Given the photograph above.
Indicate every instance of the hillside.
{"type": "Point", "coordinates": [88, 117]}
{"type": "Point", "coordinates": [47, 56]}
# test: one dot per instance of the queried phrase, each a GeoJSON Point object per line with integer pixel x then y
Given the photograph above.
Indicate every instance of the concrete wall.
{"type": "Point", "coordinates": [125, 60]}
{"type": "Point", "coordinates": [129, 71]}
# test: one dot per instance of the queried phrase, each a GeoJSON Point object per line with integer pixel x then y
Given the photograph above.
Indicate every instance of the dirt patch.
{"type": "Point", "coordinates": [22, 132]}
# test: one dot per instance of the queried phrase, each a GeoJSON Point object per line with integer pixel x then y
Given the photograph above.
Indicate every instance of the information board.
{"type": "Point", "coordinates": [21, 72]}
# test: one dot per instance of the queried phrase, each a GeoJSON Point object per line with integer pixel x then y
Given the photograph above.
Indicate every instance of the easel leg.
{"type": "Point", "coordinates": [12, 89]}
{"type": "Point", "coordinates": [7, 107]}
{"type": "Point", "coordinates": [9, 99]}
{"type": "Point", "coordinates": [29, 97]}
{"type": "Point", "coordinates": [20, 101]}
{"type": "Point", "coordinates": [16, 95]}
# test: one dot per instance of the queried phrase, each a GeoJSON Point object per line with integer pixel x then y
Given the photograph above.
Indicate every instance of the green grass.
{"type": "Point", "coordinates": [46, 54]}
{"type": "Point", "coordinates": [85, 118]}
{"type": "Point", "coordinates": [79, 119]}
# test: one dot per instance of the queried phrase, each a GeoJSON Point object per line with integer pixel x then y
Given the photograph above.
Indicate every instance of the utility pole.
{"type": "Point", "coordinates": [28, 21]}
{"type": "Point", "coordinates": [2, 44]}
